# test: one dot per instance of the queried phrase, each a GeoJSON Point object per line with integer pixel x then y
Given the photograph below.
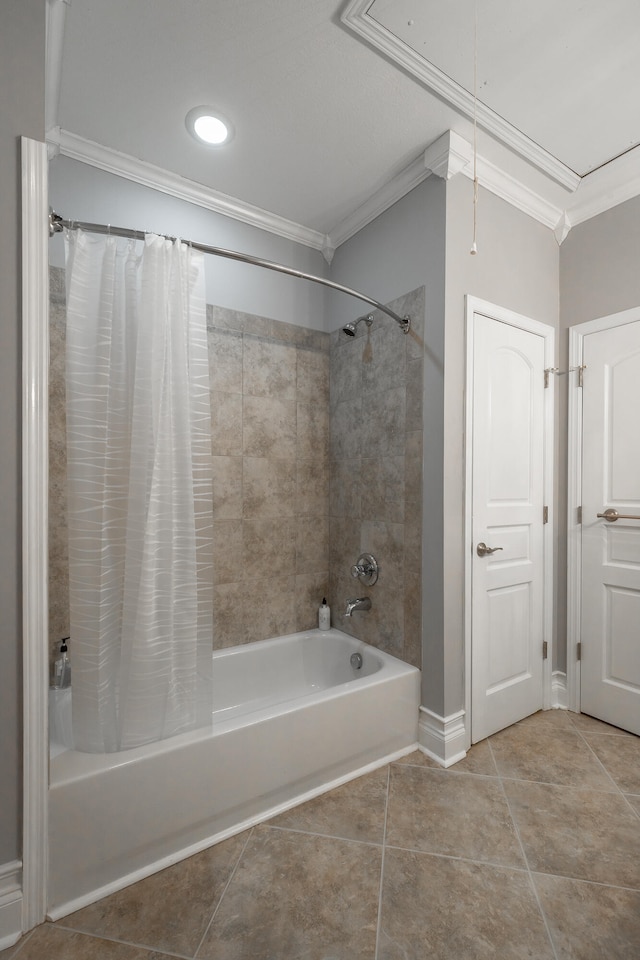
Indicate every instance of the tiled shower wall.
{"type": "Point", "coordinates": [376, 476]}
{"type": "Point", "coordinates": [273, 451]}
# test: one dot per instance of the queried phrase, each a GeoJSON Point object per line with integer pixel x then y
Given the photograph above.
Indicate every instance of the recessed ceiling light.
{"type": "Point", "coordinates": [208, 126]}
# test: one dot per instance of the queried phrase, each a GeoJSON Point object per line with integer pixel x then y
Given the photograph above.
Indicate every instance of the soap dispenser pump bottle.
{"type": "Point", "coordinates": [324, 616]}
{"type": "Point", "coordinates": [62, 667]}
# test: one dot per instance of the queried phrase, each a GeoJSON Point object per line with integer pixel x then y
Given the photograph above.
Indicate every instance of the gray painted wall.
{"type": "Point", "coordinates": [22, 47]}
{"type": "Point", "coordinates": [79, 191]}
{"type": "Point", "coordinates": [517, 268]}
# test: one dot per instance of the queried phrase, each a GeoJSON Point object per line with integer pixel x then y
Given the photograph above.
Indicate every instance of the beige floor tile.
{"type": "Point", "coordinates": [354, 811]}
{"type": "Point", "coordinates": [584, 834]}
{"type": "Point", "coordinates": [547, 748]}
{"type": "Point", "coordinates": [590, 921]}
{"type": "Point", "coordinates": [589, 725]}
{"type": "Point", "coordinates": [297, 896]}
{"type": "Point", "coordinates": [49, 942]}
{"type": "Point", "coordinates": [452, 814]}
{"type": "Point", "coordinates": [479, 759]}
{"type": "Point", "coordinates": [168, 911]}
{"type": "Point", "coordinates": [621, 758]}
{"type": "Point", "coordinates": [635, 803]}
{"type": "Point", "coordinates": [418, 759]}
{"type": "Point", "coordinates": [442, 909]}
{"type": "Point", "coordinates": [8, 953]}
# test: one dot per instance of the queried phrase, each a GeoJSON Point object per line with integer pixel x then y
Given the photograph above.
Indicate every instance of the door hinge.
{"type": "Point", "coordinates": [579, 515]}
{"type": "Point", "coordinates": [579, 651]}
{"type": "Point", "coordinates": [581, 370]}
{"type": "Point", "coordinates": [545, 649]}
{"type": "Point", "coordinates": [547, 373]}
{"type": "Point", "coordinates": [545, 514]}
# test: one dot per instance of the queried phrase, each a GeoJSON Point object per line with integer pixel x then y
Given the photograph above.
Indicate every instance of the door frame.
{"type": "Point", "coordinates": [577, 334]}
{"type": "Point", "coordinates": [35, 564]}
{"type": "Point", "coordinates": [475, 305]}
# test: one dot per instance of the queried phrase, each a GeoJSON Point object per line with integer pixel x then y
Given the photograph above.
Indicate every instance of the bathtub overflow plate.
{"type": "Point", "coordinates": [356, 661]}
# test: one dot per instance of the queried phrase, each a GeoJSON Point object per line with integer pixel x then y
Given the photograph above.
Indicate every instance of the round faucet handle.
{"type": "Point", "coordinates": [365, 570]}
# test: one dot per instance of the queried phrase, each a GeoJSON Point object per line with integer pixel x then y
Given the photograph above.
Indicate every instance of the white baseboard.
{"type": "Point", "coordinates": [10, 903]}
{"type": "Point", "coordinates": [442, 738]}
{"type": "Point", "coordinates": [559, 695]}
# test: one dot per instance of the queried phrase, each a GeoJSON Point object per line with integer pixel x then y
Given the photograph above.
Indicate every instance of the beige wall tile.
{"type": "Point", "coordinates": [269, 369]}
{"type": "Point", "coordinates": [226, 424]}
{"type": "Point", "coordinates": [312, 431]}
{"type": "Point", "coordinates": [269, 428]}
{"type": "Point", "coordinates": [312, 545]}
{"type": "Point", "coordinates": [227, 488]}
{"type": "Point", "coordinates": [312, 488]}
{"type": "Point", "coordinates": [225, 360]}
{"type": "Point", "coordinates": [227, 551]}
{"type": "Point", "coordinates": [229, 600]}
{"type": "Point", "coordinates": [310, 589]}
{"type": "Point", "coordinates": [312, 375]}
{"type": "Point", "coordinates": [269, 548]}
{"type": "Point", "coordinates": [269, 488]}
{"type": "Point", "coordinates": [345, 490]}
{"type": "Point", "coordinates": [273, 611]}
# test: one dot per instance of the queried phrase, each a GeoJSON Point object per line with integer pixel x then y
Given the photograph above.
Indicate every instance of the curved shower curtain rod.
{"type": "Point", "coordinates": [57, 224]}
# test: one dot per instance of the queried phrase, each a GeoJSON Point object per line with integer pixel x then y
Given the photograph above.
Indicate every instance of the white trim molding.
{"type": "Point", "coordinates": [56, 16]}
{"type": "Point", "coordinates": [559, 699]}
{"type": "Point", "coordinates": [357, 18]}
{"type": "Point", "coordinates": [444, 739]}
{"type": "Point", "coordinates": [148, 175]}
{"type": "Point", "coordinates": [35, 378]}
{"type": "Point", "coordinates": [10, 903]}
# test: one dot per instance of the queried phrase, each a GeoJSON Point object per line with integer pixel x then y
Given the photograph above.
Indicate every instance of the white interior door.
{"type": "Point", "coordinates": [610, 604]}
{"type": "Point", "coordinates": [508, 482]}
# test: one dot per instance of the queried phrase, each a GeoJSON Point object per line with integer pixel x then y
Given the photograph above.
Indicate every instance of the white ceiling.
{"type": "Point", "coordinates": [328, 113]}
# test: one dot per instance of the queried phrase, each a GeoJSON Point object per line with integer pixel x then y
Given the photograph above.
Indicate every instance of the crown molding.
{"type": "Point", "coordinates": [380, 201]}
{"type": "Point", "coordinates": [356, 18]}
{"type": "Point", "coordinates": [613, 183]}
{"type": "Point", "coordinates": [448, 155]}
{"type": "Point", "coordinates": [139, 171]}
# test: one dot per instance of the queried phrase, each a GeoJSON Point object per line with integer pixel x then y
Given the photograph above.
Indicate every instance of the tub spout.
{"type": "Point", "coordinates": [358, 603]}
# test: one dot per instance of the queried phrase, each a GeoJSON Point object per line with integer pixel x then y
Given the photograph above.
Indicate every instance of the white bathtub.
{"type": "Point", "coordinates": [292, 718]}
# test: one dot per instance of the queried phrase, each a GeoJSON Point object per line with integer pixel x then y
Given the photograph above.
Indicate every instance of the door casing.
{"type": "Point", "coordinates": [574, 494]}
{"type": "Point", "coordinates": [475, 305]}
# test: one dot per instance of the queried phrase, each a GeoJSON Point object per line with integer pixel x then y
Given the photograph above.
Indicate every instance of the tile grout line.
{"type": "Point", "coordinates": [598, 760]}
{"type": "Point", "coordinates": [325, 836]}
{"type": "Point", "coordinates": [524, 855]}
{"type": "Point", "coordinates": [125, 943]}
{"type": "Point", "coordinates": [384, 843]}
{"type": "Point", "coordinates": [222, 895]}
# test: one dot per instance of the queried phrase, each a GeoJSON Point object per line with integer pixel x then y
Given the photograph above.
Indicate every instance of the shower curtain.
{"type": "Point", "coordinates": [139, 490]}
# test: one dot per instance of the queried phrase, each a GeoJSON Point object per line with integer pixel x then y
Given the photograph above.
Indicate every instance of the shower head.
{"type": "Point", "coordinates": [350, 328]}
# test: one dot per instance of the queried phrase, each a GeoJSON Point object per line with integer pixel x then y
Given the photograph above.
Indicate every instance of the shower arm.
{"type": "Point", "coordinates": [57, 224]}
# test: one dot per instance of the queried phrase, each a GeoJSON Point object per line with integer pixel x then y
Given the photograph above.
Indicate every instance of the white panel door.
{"type": "Point", "coordinates": [610, 614]}
{"type": "Point", "coordinates": [507, 506]}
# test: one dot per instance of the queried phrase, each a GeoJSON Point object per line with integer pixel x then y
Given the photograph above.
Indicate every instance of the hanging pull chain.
{"type": "Point", "coordinates": [474, 245]}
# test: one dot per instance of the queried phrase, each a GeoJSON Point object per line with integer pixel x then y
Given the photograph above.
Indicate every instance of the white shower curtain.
{"type": "Point", "coordinates": [139, 490]}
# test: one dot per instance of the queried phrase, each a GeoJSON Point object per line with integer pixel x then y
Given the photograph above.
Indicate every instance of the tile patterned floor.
{"type": "Point", "coordinates": [528, 848]}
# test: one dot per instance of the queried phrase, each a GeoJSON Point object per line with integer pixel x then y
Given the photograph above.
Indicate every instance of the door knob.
{"type": "Point", "coordinates": [483, 550]}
